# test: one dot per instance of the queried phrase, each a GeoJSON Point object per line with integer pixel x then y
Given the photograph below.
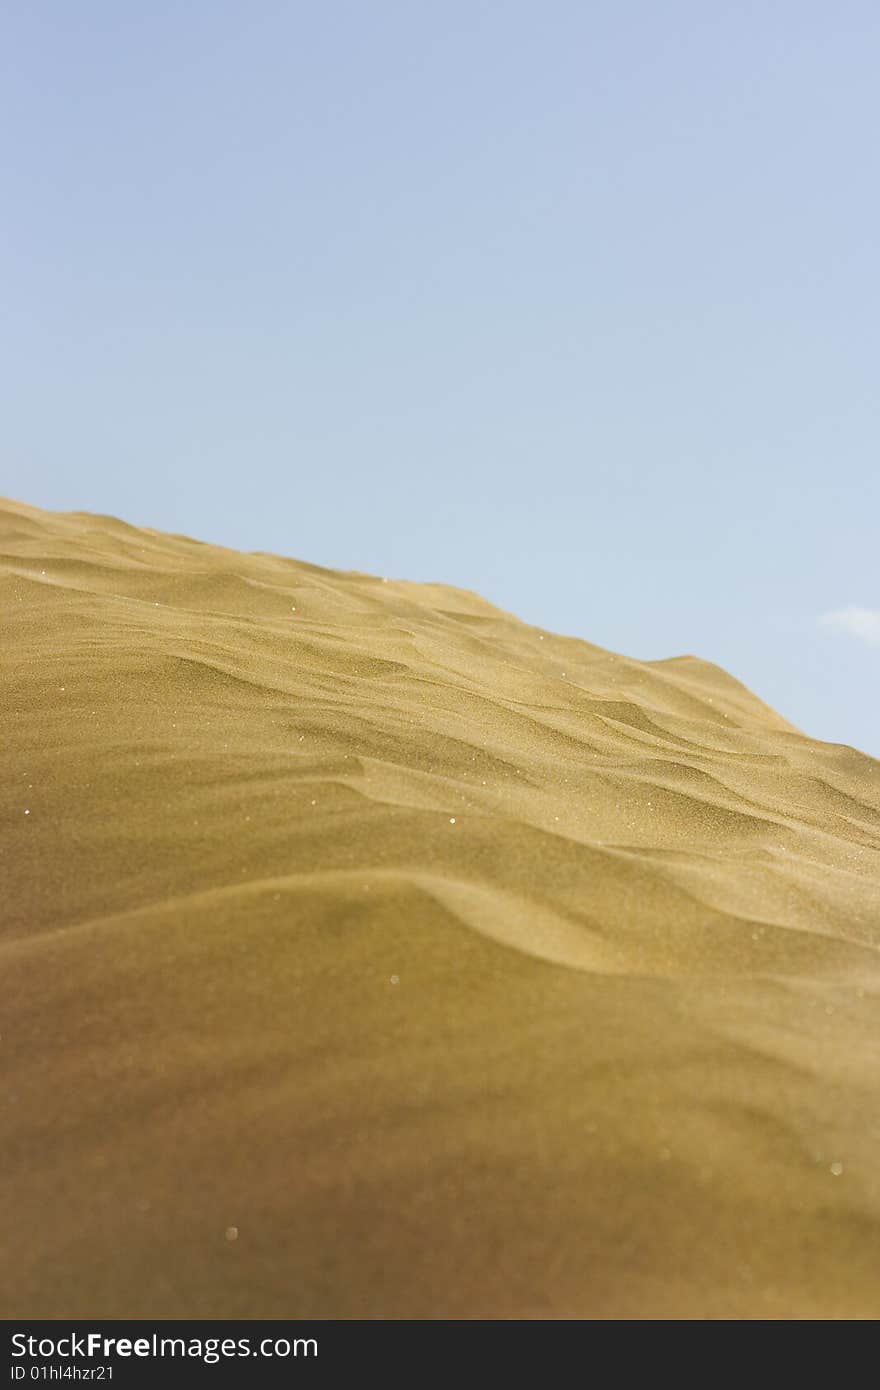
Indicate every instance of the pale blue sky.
{"type": "Point", "coordinates": [575, 304]}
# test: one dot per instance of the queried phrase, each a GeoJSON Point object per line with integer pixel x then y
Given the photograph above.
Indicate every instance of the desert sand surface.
{"type": "Point", "coordinates": [369, 953]}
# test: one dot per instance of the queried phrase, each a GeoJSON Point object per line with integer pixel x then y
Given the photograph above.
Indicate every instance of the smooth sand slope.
{"type": "Point", "coordinates": [367, 952]}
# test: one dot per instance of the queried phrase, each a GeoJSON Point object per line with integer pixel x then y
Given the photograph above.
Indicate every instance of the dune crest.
{"type": "Point", "coordinates": [466, 969]}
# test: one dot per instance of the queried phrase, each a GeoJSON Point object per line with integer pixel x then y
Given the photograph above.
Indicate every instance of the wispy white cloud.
{"type": "Point", "coordinates": [863, 623]}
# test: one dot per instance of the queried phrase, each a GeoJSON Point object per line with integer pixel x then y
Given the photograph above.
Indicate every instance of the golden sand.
{"type": "Point", "coordinates": [369, 953]}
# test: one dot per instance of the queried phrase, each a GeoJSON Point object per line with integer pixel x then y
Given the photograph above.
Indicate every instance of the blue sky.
{"type": "Point", "coordinates": [573, 304]}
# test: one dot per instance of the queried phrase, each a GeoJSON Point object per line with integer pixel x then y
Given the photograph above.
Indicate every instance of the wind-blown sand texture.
{"type": "Point", "coordinates": [369, 953]}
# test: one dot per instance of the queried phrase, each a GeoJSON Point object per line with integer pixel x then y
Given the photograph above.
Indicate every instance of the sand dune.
{"type": "Point", "coordinates": [369, 953]}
